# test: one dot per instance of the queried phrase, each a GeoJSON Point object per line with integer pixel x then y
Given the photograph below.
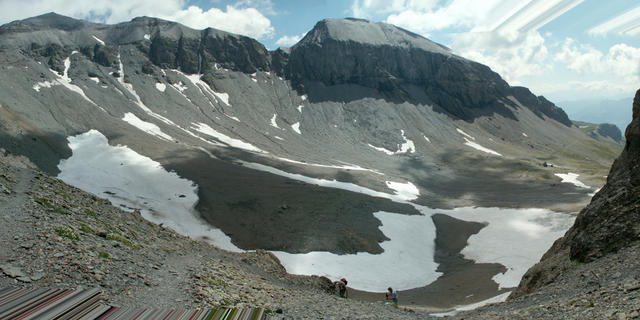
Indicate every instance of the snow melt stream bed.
{"type": "Point", "coordinates": [515, 238]}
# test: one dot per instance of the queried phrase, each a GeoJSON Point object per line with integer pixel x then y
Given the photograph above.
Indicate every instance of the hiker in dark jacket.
{"type": "Point", "coordinates": [392, 295]}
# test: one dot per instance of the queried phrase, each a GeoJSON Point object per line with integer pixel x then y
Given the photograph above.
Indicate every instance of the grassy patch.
{"type": "Point", "coordinates": [104, 255]}
{"type": "Point", "coordinates": [122, 239]}
{"type": "Point", "coordinates": [213, 280]}
{"type": "Point", "coordinates": [67, 233]}
{"type": "Point", "coordinates": [90, 212]}
{"type": "Point", "coordinates": [86, 229]}
{"type": "Point", "coordinates": [43, 202]}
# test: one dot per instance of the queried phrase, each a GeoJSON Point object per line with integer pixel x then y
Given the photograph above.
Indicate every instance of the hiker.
{"type": "Point", "coordinates": [341, 287]}
{"type": "Point", "coordinates": [392, 295]}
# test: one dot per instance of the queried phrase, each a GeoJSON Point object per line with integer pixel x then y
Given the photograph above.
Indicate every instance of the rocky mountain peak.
{"type": "Point", "coordinates": [370, 33]}
{"type": "Point", "coordinates": [49, 20]}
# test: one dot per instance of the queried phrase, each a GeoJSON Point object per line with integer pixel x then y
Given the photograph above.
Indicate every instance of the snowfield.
{"type": "Point", "coordinates": [130, 180]}
{"type": "Point", "coordinates": [407, 260]}
{"type": "Point", "coordinates": [515, 238]}
{"type": "Point", "coordinates": [147, 127]}
{"type": "Point", "coordinates": [573, 179]}
{"type": "Point", "coordinates": [236, 143]}
{"type": "Point", "coordinates": [476, 146]}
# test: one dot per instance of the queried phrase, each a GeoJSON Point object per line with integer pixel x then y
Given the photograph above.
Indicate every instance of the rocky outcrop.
{"type": "Point", "coordinates": [610, 130]}
{"type": "Point", "coordinates": [540, 105]}
{"type": "Point", "coordinates": [608, 224]}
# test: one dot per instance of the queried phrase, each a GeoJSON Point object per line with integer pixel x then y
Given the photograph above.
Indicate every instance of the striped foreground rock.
{"type": "Point", "coordinates": [67, 304]}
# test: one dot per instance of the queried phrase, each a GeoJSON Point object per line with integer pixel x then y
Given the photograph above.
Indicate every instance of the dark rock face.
{"type": "Point", "coordinates": [540, 105]}
{"type": "Point", "coordinates": [609, 223]}
{"type": "Point", "coordinates": [610, 130]}
{"type": "Point", "coordinates": [459, 87]}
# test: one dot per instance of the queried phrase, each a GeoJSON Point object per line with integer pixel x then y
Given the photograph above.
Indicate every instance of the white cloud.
{"type": "Point", "coordinates": [289, 40]}
{"type": "Point", "coordinates": [513, 55]}
{"type": "Point", "coordinates": [246, 21]}
{"type": "Point", "coordinates": [621, 60]}
{"type": "Point", "coordinates": [580, 58]}
{"type": "Point", "coordinates": [237, 19]}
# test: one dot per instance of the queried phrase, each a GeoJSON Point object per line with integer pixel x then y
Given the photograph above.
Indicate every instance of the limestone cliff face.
{"type": "Point", "coordinates": [404, 66]}
{"type": "Point", "coordinates": [167, 44]}
{"type": "Point", "coordinates": [609, 223]}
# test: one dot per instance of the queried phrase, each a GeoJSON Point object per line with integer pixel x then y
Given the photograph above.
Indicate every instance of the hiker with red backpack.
{"type": "Point", "coordinates": [341, 287]}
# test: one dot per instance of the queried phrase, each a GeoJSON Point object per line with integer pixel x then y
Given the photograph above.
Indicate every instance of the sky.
{"type": "Point", "coordinates": [562, 49]}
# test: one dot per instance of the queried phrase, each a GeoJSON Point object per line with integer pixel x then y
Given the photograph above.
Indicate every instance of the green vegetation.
{"type": "Point", "coordinates": [43, 202]}
{"type": "Point", "coordinates": [213, 280]}
{"type": "Point", "coordinates": [86, 229]}
{"type": "Point", "coordinates": [90, 212]}
{"type": "Point", "coordinates": [67, 233]}
{"type": "Point", "coordinates": [104, 255]}
{"type": "Point", "coordinates": [122, 239]}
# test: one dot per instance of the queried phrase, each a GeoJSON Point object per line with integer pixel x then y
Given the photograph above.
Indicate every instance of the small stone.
{"type": "Point", "coordinates": [58, 255]}
{"type": "Point", "coordinates": [24, 279]}
{"type": "Point", "coordinates": [622, 316]}
{"type": "Point", "coordinates": [37, 276]}
{"type": "Point", "coordinates": [634, 315]}
{"type": "Point", "coordinates": [98, 277]}
{"type": "Point", "coordinates": [12, 271]}
{"type": "Point", "coordinates": [631, 285]}
{"type": "Point", "coordinates": [27, 245]}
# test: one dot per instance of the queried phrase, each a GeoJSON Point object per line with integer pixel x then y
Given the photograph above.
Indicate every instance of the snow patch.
{"type": "Point", "coordinates": [224, 97]}
{"type": "Point", "coordinates": [232, 117]}
{"type": "Point", "coordinates": [279, 138]}
{"type": "Point", "coordinates": [303, 97]}
{"type": "Point", "coordinates": [95, 79]}
{"type": "Point", "coordinates": [138, 101]}
{"type": "Point", "coordinates": [515, 238]}
{"type": "Point", "coordinates": [465, 134]}
{"type": "Point", "coordinates": [426, 138]}
{"type": "Point", "coordinates": [476, 146]}
{"type": "Point", "coordinates": [525, 135]}
{"type": "Point", "coordinates": [135, 181]}
{"type": "Point", "coordinates": [44, 84]}
{"type": "Point", "coordinates": [180, 86]}
{"type": "Point", "coordinates": [407, 190]}
{"type": "Point", "coordinates": [236, 143]}
{"type": "Point", "coordinates": [325, 183]}
{"type": "Point", "coordinates": [387, 151]}
{"type": "Point", "coordinates": [296, 127]}
{"type": "Point", "coordinates": [573, 179]}
{"type": "Point", "coordinates": [344, 167]}
{"type": "Point", "coordinates": [161, 87]}
{"type": "Point", "coordinates": [65, 80]}
{"type": "Point", "coordinates": [497, 299]}
{"type": "Point", "coordinates": [300, 108]}
{"type": "Point", "coordinates": [147, 36]}
{"type": "Point", "coordinates": [98, 39]}
{"type": "Point", "coordinates": [406, 146]}
{"type": "Point", "coordinates": [273, 121]}
{"type": "Point", "coordinates": [407, 260]}
{"type": "Point", "coordinates": [147, 127]}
